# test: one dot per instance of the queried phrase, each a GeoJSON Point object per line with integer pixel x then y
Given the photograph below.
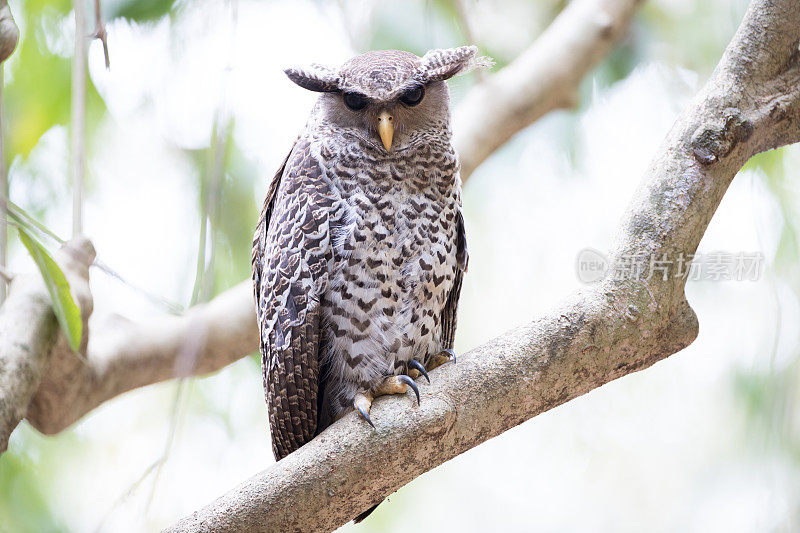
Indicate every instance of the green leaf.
{"type": "Point", "coordinates": [67, 312]}
{"type": "Point", "coordinates": [141, 10]}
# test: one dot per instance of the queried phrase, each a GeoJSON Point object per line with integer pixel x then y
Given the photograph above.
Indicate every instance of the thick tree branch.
{"type": "Point", "coordinates": [544, 78]}
{"type": "Point", "coordinates": [123, 355]}
{"type": "Point", "coordinates": [751, 103]}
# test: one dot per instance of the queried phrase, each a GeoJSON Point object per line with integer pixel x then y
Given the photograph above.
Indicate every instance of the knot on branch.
{"type": "Point", "coordinates": [777, 112]}
{"type": "Point", "coordinates": [606, 25]}
{"type": "Point", "coordinates": [712, 142]}
{"type": "Point", "coordinates": [9, 33]}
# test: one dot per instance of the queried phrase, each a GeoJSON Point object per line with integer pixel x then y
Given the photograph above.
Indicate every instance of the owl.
{"type": "Point", "coordinates": [359, 252]}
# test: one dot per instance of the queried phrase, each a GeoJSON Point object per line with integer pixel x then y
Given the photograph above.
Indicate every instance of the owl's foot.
{"type": "Point", "coordinates": [415, 368]}
{"type": "Point", "coordinates": [441, 358]}
{"type": "Point", "coordinates": [390, 385]}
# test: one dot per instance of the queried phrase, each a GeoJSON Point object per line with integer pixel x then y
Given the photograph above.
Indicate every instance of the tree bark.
{"type": "Point", "coordinates": [128, 355]}
{"type": "Point", "coordinates": [605, 331]}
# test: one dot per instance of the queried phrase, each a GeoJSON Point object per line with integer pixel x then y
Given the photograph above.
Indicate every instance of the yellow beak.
{"type": "Point", "coordinates": [386, 129]}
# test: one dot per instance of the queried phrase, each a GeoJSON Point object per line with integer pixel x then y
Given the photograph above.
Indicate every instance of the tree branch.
{"type": "Point", "coordinates": [123, 355]}
{"type": "Point", "coordinates": [608, 330]}
{"type": "Point", "coordinates": [100, 31]}
{"type": "Point", "coordinates": [129, 355]}
{"type": "Point", "coordinates": [29, 331]}
{"type": "Point", "coordinates": [543, 78]}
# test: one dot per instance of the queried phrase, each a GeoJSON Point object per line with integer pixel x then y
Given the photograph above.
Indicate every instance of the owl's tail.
{"type": "Point", "coordinates": [366, 513]}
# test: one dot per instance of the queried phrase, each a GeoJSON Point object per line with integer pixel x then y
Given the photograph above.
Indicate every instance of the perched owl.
{"type": "Point", "coordinates": [359, 251]}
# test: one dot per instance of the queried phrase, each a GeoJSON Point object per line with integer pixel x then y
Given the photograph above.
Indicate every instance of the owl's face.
{"type": "Point", "coordinates": [390, 100]}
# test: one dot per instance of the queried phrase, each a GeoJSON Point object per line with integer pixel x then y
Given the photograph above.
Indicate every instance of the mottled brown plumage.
{"type": "Point", "coordinates": [360, 251]}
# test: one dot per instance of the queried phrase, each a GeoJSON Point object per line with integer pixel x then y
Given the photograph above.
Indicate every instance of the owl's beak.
{"type": "Point", "coordinates": [386, 129]}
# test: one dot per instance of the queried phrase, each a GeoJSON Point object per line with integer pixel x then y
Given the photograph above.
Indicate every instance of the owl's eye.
{"type": "Point", "coordinates": [413, 96]}
{"type": "Point", "coordinates": [355, 101]}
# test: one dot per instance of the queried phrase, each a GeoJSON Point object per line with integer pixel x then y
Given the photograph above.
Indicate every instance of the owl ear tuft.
{"type": "Point", "coordinates": [315, 77]}
{"type": "Point", "coordinates": [445, 63]}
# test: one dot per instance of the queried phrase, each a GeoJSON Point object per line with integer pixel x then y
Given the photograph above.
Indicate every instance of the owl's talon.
{"type": "Point", "coordinates": [391, 385]}
{"type": "Point", "coordinates": [417, 365]}
{"type": "Point", "coordinates": [410, 382]}
{"type": "Point", "coordinates": [362, 403]}
{"type": "Point", "coordinates": [365, 414]}
{"type": "Point", "coordinates": [451, 353]}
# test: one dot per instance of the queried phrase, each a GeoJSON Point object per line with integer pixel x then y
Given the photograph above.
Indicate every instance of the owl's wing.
{"type": "Point", "coordinates": [451, 306]}
{"type": "Point", "coordinates": [291, 251]}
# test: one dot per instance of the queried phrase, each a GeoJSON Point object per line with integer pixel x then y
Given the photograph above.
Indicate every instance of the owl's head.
{"type": "Point", "coordinates": [390, 96]}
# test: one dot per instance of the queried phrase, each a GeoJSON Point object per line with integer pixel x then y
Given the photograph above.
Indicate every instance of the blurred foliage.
{"type": "Point", "coordinates": [770, 398]}
{"type": "Point", "coordinates": [770, 405]}
{"type": "Point", "coordinates": [25, 479]}
{"type": "Point", "coordinates": [395, 27]}
{"type": "Point", "coordinates": [139, 10]}
{"type": "Point", "coordinates": [23, 503]}
{"type": "Point", "coordinates": [692, 35]}
{"type": "Point", "coordinates": [229, 205]}
{"type": "Point", "coordinates": [235, 228]}
{"type": "Point", "coordinates": [38, 97]}
{"type": "Point", "coordinates": [782, 183]}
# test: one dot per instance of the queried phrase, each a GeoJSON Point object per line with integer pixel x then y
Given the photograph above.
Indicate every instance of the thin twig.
{"type": "Point", "coordinates": [78, 133]}
{"type": "Point", "coordinates": [3, 195]}
{"type": "Point", "coordinates": [165, 303]}
{"type": "Point", "coordinates": [20, 218]}
{"type": "Point", "coordinates": [184, 369]}
{"type": "Point", "coordinates": [155, 467]}
{"type": "Point", "coordinates": [100, 31]}
{"type": "Point", "coordinates": [9, 36]}
{"type": "Point", "coordinates": [184, 366]}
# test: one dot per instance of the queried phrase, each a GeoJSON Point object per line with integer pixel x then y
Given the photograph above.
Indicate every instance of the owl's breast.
{"type": "Point", "coordinates": [407, 238]}
{"type": "Point", "coordinates": [394, 266]}
{"type": "Point", "coordinates": [394, 258]}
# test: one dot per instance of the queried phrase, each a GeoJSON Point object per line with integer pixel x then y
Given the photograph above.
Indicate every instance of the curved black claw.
{"type": "Point", "coordinates": [410, 382]}
{"type": "Point", "coordinates": [451, 353]}
{"type": "Point", "coordinates": [416, 364]}
{"type": "Point", "coordinates": [365, 414]}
